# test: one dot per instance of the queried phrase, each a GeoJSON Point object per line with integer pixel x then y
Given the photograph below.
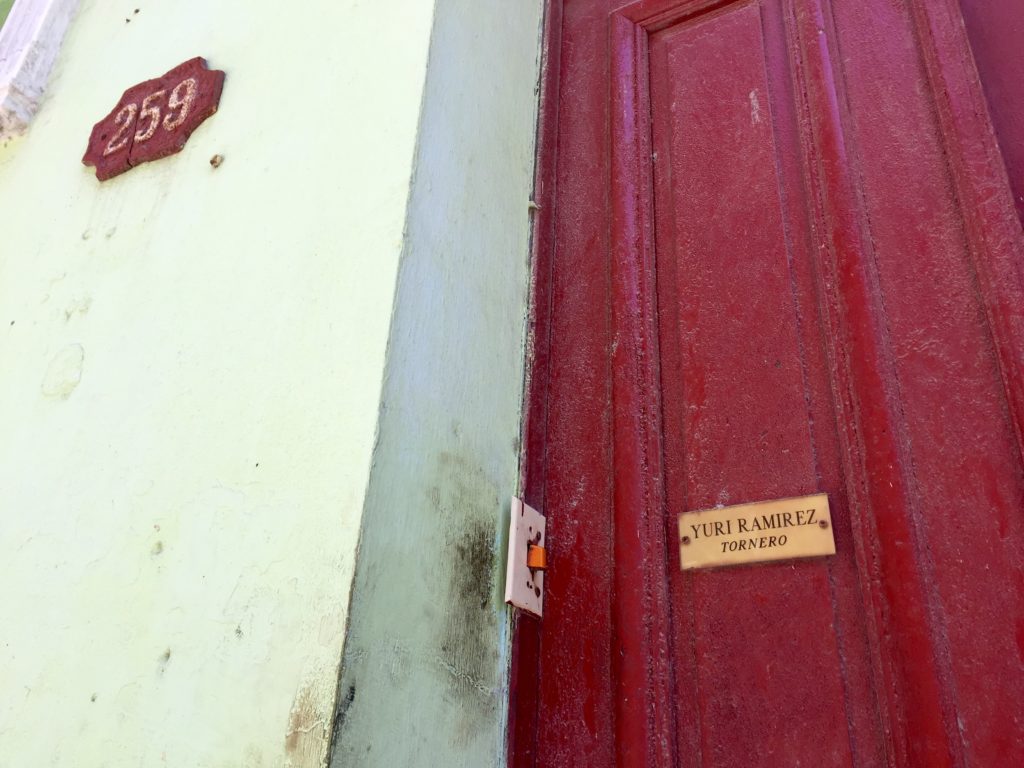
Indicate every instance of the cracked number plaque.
{"type": "Point", "coordinates": [154, 119]}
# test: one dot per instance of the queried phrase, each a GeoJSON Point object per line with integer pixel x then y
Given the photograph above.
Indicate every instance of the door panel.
{"type": "Point", "coordinates": [741, 392]}
{"type": "Point", "coordinates": [960, 454]}
{"type": "Point", "coordinates": [776, 254]}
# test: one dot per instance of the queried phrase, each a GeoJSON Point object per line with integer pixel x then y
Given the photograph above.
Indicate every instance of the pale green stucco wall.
{"type": "Point", "coordinates": [190, 374]}
{"type": "Point", "coordinates": [424, 680]}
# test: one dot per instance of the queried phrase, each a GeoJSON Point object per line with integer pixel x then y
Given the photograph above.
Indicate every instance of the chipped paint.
{"type": "Point", "coordinates": [64, 372]}
{"type": "Point", "coordinates": [306, 738]}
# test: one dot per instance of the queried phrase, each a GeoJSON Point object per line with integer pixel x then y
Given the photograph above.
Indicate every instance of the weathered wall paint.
{"type": "Point", "coordinates": [191, 368]}
{"type": "Point", "coordinates": [31, 35]}
{"type": "Point", "coordinates": [424, 675]}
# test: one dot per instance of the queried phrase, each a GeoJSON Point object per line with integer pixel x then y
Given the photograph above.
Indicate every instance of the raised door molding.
{"type": "Point", "coordinates": [29, 42]}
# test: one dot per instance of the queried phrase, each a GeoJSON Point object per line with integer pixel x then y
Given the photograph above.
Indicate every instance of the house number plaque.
{"type": "Point", "coordinates": [752, 533]}
{"type": "Point", "coordinates": [154, 119]}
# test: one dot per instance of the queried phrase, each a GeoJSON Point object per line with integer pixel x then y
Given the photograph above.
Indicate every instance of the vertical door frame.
{"type": "Point", "coordinates": [524, 674]}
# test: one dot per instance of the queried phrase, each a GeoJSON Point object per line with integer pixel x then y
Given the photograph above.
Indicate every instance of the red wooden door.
{"type": "Point", "coordinates": [777, 254]}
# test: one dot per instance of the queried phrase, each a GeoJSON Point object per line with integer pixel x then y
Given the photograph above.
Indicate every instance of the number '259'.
{"type": "Point", "coordinates": [179, 103]}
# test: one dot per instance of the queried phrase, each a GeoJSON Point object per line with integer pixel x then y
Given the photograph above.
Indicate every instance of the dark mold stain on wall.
{"type": "Point", "coordinates": [467, 641]}
{"type": "Point", "coordinates": [468, 638]}
{"type": "Point", "coordinates": [470, 508]}
{"type": "Point", "coordinates": [341, 708]}
{"type": "Point", "coordinates": [451, 635]}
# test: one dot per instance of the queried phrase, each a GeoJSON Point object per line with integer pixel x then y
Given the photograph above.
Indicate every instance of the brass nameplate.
{"type": "Point", "coordinates": [756, 533]}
